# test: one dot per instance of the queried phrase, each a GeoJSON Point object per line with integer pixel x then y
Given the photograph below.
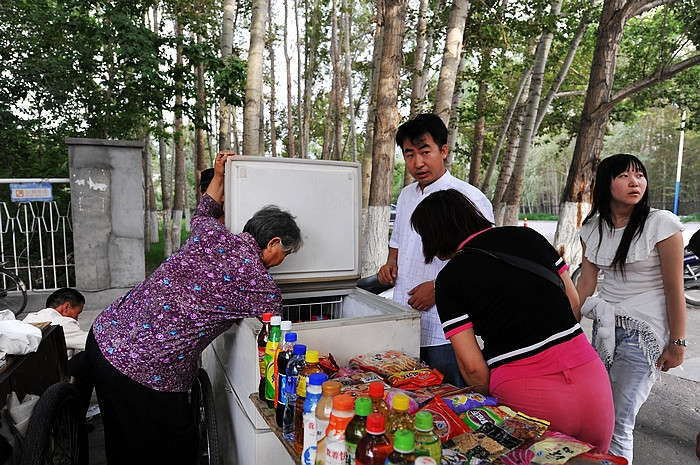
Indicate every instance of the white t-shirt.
{"type": "Point", "coordinates": [411, 262]}
{"type": "Point", "coordinates": [75, 337]}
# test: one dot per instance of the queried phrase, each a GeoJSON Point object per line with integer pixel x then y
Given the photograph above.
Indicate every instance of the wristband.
{"type": "Point", "coordinates": [680, 342]}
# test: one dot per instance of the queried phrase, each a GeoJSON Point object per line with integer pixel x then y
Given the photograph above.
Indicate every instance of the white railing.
{"type": "Point", "coordinates": [36, 240]}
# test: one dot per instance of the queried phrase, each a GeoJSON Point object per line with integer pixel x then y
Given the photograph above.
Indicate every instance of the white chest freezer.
{"type": "Point", "coordinates": [319, 280]}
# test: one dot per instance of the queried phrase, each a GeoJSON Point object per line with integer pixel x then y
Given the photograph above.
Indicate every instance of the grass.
{"type": "Point", "coordinates": [155, 256]}
{"type": "Point", "coordinates": [538, 216]}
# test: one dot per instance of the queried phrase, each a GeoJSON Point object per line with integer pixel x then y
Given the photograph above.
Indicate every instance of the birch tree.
{"type": "Point", "coordinates": [386, 124]}
{"type": "Point", "coordinates": [226, 52]}
{"type": "Point", "coordinates": [252, 110]}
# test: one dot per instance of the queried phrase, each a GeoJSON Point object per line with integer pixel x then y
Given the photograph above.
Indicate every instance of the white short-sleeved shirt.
{"type": "Point", "coordinates": [643, 264]}
{"type": "Point", "coordinates": [411, 262]}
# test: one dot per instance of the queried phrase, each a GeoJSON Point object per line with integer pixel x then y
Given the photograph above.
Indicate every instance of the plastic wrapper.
{"type": "Point", "coordinates": [389, 398]}
{"type": "Point", "coordinates": [328, 365]}
{"type": "Point", "coordinates": [447, 424]}
{"type": "Point", "coordinates": [552, 448]}
{"type": "Point", "coordinates": [387, 363]}
{"type": "Point", "coordinates": [476, 417]}
{"type": "Point", "coordinates": [416, 379]}
{"type": "Point", "coordinates": [595, 458]}
{"type": "Point", "coordinates": [488, 443]}
{"type": "Point", "coordinates": [460, 403]}
{"type": "Point", "coordinates": [365, 377]}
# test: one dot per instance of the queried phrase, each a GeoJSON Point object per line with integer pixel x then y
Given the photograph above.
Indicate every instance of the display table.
{"type": "Point", "coordinates": [33, 373]}
{"type": "Point", "coordinates": [269, 417]}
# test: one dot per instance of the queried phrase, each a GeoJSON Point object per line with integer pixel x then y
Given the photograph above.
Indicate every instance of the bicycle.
{"type": "Point", "coordinates": [13, 291]}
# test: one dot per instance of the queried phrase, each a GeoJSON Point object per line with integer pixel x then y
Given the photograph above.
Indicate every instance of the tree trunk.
{"type": "Point", "coordinates": [499, 206]}
{"type": "Point", "coordinates": [337, 91]}
{"type": "Point", "coordinates": [313, 30]}
{"type": "Point", "coordinates": [179, 151]}
{"type": "Point", "coordinates": [386, 123]}
{"type": "Point", "coordinates": [200, 155]}
{"type": "Point", "coordinates": [478, 146]}
{"type": "Point", "coordinates": [505, 125]}
{"type": "Point", "coordinates": [453, 126]}
{"type": "Point", "coordinates": [273, 101]}
{"type": "Point", "coordinates": [300, 75]}
{"type": "Point", "coordinates": [165, 190]}
{"type": "Point", "coordinates": [450, 59]}
{"type": "Point", "coordinates": [226, 51]}
{"type": "Point", "coordinates": [372, 109]}
{"type": "Point", "coordinates": [254, 80]}
{"type": "Point", "coordinates": [290, 119]}
{"type": "Point", "coordinates": [347, 29]}
{"type": "Point", "coordinates": [515, 185]}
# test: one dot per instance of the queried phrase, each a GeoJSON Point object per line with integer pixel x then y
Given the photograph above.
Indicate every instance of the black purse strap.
{"type": "Point", "coordinates": [523, 263]}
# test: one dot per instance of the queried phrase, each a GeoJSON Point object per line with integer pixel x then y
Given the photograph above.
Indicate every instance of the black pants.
{"type": "Point", "coordinates": [79, 370]}
{"type": "Point", "coordinates": [141, 425]}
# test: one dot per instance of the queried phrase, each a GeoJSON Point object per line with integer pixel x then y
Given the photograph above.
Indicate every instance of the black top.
{"type": "Point", "coordinates": [517, 313]}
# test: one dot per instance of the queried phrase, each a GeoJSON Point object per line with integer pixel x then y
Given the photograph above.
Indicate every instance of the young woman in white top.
{"type": "Point", "coordinates": [640, 313]}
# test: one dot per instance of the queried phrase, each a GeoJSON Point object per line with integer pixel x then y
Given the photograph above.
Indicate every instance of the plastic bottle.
{"type": "Point", "coordinates": [399, 418]}
{"type": "Point", "coordinates": [376, 393]}
{"type": "Point", "coordinates": [427, 441]}
{"type": "Point", "coordinates": [374, 447]}
{"type": "Point", "coordinates": [273, 342]}
{"type": "Point", "coordinates": [262, 344]}
{"type": "Point", "coordinates": [312, 366]}
{"type": "Point", "coordinates": [284, 354]}
{"type": "Point", "coordinates": [357, 427]}
{"type": "Point", "coordinates": [403, 449]}
{"type": "Point", "coordinates": [331, 449]}
{"type": "Point", "coordinates": [330, 389]}
{"type": "Point", "coordinates": [294, 367]}
{"type": "Point", "coordinates": [313, 395]}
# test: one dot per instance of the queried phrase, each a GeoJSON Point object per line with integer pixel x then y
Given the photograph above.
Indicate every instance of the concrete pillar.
{"type": "Point", "coordinates": [106, 180]}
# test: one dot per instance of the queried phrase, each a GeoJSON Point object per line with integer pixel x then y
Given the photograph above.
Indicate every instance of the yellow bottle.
{"type": "Point", "coordinates": [399, 418]}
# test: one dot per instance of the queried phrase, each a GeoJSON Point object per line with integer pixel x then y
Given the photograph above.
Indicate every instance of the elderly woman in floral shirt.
{"type": "Point", "coordinates": [143, 348]}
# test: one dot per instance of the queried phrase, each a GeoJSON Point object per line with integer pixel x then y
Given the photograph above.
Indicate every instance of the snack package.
{"type": "Point", "coordinates": [416, 379]}
{"type": "Point", "coordinates": [553, 448]}
{"type": "Point", "coordinates": [447, 423]}
{"type": "Point", "coordinates": [425, 394]}
{"type": "Point", "coordinates": [365, 377]}
{"type": "Point", "coordinates": [596, 458]}
{"type": "Point", "coordinates": [476, 417]}
{"type": "Point", "coordinates": [389, 398]}
{"type": "Point", "coordinates": [387, 363]}
{"type": "Point", "coordinates": [460, 403]}
{"type": "Point", "coordinates": [328, 365]}
{"type": "Point", "coordinates": [488, 443]}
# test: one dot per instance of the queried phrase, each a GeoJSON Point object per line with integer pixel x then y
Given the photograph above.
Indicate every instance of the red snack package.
{"type": "Point", "coordinates": [447, 423]}
{"type": "Point", "coordinates": [328, 365]}
{"type": "Point", "coordinates": [416, 379]}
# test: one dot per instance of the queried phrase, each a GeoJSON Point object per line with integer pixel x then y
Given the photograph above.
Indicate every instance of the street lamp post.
{"type": "Point", "coordinates": [680, 164]}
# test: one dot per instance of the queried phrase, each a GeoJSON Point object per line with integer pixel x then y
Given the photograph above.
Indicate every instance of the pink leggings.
{"type": "Point", "coordinates": [577, 402]}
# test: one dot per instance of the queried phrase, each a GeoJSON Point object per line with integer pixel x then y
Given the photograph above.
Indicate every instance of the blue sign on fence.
{"type": "Point", "coordinates": [31, 192]}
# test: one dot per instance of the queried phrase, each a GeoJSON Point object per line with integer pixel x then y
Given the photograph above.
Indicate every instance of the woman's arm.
{"type": "Point", "coordinates": [471, 361]}
{"type": "Point", "coordinates": [671, 255]}
{"type": "Point", "coordinates": [215, 190]}
{"type": "Point", "coordinates": [587, 281]}
{"type": "Point", "coordinates": [572, 294]}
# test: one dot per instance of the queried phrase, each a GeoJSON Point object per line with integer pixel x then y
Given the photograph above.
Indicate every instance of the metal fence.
{"type": "Point", "coordinates": [36, 241]}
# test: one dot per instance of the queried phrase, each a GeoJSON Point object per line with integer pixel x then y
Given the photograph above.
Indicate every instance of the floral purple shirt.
{"type": "Point", "coordinates": [155, 333]}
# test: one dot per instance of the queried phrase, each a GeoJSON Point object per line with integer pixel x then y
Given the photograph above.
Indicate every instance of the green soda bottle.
{"type": "Point", "coordinates": [427, 441]}
{"type": "Point", "coordinates": [357, 427]}
{"type": "Point", "coordinates": [273, 341]}
{"type": "Point", "coordinates": [403, 449]}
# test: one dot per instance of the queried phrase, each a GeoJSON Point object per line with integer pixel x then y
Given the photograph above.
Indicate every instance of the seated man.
{"type": "Point", "coordinates": [62, 308]}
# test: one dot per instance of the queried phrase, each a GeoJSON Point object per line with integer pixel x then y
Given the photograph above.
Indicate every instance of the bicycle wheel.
{"type": "Point", "coordinates": [202, 400]}
{"type": "Point", "coordinates": [13, 292]}
{"type": "Point", "coordinates": [691, 278]}
{"type": "Point", "coordinates": [57, 432]}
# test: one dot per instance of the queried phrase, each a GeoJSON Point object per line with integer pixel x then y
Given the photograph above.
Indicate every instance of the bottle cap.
{"type": "Point", "coordinates": [276, 320]}
{"type": "Point", "coordinates": [266, 317]}
{"type": "Point", "coordinates": [317, 379]}
{"type": "Point", "coordinates": [376, 423]}
{"type": "Point", "coordinates": [290, 337]}
{"type": "Point", "coordinates": [312, 356]}
{"type": "Point", "coordinates": [424, 460]}
{"type": "Point", "coordinates": [400, 403]}
{"type": "Point", "coordinates": [343, 402]}
{"type": "Point", "coordinates": [286, 325]}
{"type": "Point", "coordinates": [403, 441]}
{"type": "Point", "coordinates": [331, 388]}
{"type": "Point", "coordinates": [363, 406]}
{"type": "Point", "coordinates": [299, 349]}
{"type": "Point", "coordinates": [376, 389]}
{"type": "Point", "coordinates": [424, 420]}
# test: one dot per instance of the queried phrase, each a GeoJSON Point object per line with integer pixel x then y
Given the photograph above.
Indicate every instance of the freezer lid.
{"type": "Point", "coordinates": [324, 196]}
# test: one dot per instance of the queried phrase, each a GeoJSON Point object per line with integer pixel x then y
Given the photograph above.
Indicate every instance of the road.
{"type": "Point", "coordinates": [669, 421]}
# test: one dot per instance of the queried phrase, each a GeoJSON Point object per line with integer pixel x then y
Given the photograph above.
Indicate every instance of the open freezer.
{"type": "Point", "coordinates": [330, 314]}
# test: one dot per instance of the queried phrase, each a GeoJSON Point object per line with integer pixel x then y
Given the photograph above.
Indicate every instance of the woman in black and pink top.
{"type": "Point", "coordinates": [509, 286]}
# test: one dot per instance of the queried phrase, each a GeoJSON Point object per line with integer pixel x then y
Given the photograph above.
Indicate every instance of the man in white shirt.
{"type": "Point", "coordinates": [423, 141]}
{"type": "Point", "coordinates": [63, 308]}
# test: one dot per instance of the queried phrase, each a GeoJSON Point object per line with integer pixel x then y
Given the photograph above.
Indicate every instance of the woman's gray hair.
{"type": "Point", "coordinates": [271, 221]}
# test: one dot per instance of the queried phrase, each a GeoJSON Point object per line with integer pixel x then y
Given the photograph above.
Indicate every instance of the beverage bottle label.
{"type": "Point", "coordinates": [308, 454]}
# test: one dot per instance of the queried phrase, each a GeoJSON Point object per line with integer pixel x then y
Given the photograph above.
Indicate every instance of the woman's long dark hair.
{"type": "Point", "coordinates": [608, 169]}
{"type": "Point", "coordinates": [443, 220]}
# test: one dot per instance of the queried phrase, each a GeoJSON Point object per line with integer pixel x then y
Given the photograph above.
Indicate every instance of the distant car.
{"type": "Point", "coordinates": [392, 215]}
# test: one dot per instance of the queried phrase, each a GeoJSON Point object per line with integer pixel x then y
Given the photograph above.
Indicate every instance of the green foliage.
{"type": "Point", "coordinates": [155, 254]}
